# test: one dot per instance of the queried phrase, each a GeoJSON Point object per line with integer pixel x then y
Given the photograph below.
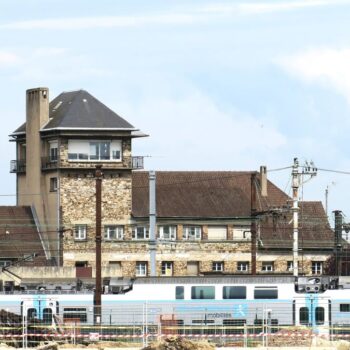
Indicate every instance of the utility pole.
{"type": "Point", "coordinates": [152, 223]}
{"type": "Point", "coordinates": [98, 280]}
{"type": "Point", "coordinates": [307, 170]}
{"type": "Point", "coordinates": [338, 229]}
{"type": "Point", "coordinates": [253, 214]}
{"type": "Point", "coordinates": [295, 188]}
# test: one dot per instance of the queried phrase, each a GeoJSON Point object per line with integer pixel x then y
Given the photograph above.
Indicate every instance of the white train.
{"type": "Point", "coordinates": [250, 301]}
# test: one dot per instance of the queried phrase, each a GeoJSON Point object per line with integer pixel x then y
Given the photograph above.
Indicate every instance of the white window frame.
{"type": "Point", "coordinates": [140, 233]}
{"type": "Point", "coordinates": [167, 232]}
{"type": "Point", "coordinates": [113, 232]}
{"type": "Point", "coordinates": [141, 268]}
{"type": "Point", "coordinates": [53, 151]}
{"type": "Point", "coordinates": [192, 233]}
{"type": "Point", "coordinates": [317, 267]}
{"type": "Point", "coordinates": [53, 184]}
{"type": "Point", "coordinates": [81, 151]}
{"type": "Point", "coordinates": [80, 232]}
{"type": "Point", "coordinates": [219, 230]}
{"type": "Point", "coordinates": [241, 233]}
{"type": "Point", "coordinates": [167, 268]}
{"type": "Point", "coordinates": [267, 266]}
{"type": "Point", "coordinates": [218, 266]}
{"type": "Point", "coordinates": [243, 266]}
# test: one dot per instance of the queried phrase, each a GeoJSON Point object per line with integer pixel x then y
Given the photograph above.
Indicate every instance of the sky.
{"type": "Point", "coordinates": [217, 85]}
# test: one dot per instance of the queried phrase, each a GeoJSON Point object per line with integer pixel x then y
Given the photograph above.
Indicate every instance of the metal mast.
{"type": "Point", "coordinates": [98, 281]}
{"type": "Point", "coordinates": [152, 222]}
{"type": "Point", "coordinates": [295, 209]}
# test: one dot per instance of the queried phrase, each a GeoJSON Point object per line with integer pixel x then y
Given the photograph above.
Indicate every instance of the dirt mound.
{"type": "Point", "coordinates": [176, 343]}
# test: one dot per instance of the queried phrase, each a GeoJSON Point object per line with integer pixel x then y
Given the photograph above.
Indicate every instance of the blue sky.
{"type": "Point", "coordinates": [218, 85]}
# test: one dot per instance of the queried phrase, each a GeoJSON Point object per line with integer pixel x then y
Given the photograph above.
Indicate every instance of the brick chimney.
{"type": "Point", "coordinates": [263, 181]}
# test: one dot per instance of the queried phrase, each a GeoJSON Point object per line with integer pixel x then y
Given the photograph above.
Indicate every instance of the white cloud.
{"type": "Point", "coordinates": [279, 6]}
{"type": "Point", "coordinates": [103, 22]}
{"type": "Point", "coordinates": [192, 132]}
{"type": "Point", "coordinates": [325, 66]}
{"type": "Point", "coordinates": [189, 15]}
{"type": "Point", "coordinates": [8, 59]}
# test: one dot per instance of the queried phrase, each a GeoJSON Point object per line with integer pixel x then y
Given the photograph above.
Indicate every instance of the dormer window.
{"type": "Point", "coordinates": [94, 150]}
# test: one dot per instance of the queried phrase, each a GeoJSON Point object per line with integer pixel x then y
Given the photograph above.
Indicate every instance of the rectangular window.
{"type": "Point", "coordinates": [241, 233]}
{"type": "Point", "coordinates": [236, 292]}
{"type": "Point", "coordinates": [218, 266]}
{"type": "Point", "coordinates": [192, 268]}
{"type": "Point", "coordinates": [113, 232]}
{"type": "Point", "coordinates": [203, 292]}
{"type": "Point", "coordinates": [180, 292]}
{"type": "Point", "coordinates": [243, 266]}
{"type": "Point", "coordinates": [267, 266]}
{"type": "Point", "coordinates": [317, 267]}
{"type": "Point", "coordinates": [53, 151]}
{"type": "Point", "coordinates": [167, 268]}
{"type": "Point", "coordinates": [217, 233]}
{"type": "Point", "coordinates": [80, 232]}
{"type": "Point", "coordinates": [141, 268]}
{"type": "Point", "coordinates": [140, 232]}
{"type": "Point", "coordinates": [265, 293]}
{"type": "Point", "coordinates": [192, 233]}
{"type": "Point", "coordinates": [116, 265]}
{"type": "Point", "coordinates": [97, 150]}
{"type": "Point", "coordinates": [290, 266]}
{"type": "Point", "coordinates": [53, 184]}
{"type": "Point", "coordinates": [167, 232]}
{"type": "Point", "coordinates": [344, 307]}
{"type": "Point", "coordinates": [75, 313]}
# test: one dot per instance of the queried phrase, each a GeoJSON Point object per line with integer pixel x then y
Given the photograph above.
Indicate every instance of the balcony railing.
{"type": "Point", "coordinates": [17, 166]}
{"type": "Point", "coordinates": [128, 162]}
{"type": "Point", "coordinates": [137, 162]}
{"type": "Point", "coordinates": [49, 162]}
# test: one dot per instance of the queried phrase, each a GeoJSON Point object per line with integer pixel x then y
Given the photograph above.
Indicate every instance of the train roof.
{"type": "Point", "coordinates": [216, 280]}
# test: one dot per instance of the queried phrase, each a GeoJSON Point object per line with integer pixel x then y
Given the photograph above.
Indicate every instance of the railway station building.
{"type": "Point", "coordinates": [203, 218]}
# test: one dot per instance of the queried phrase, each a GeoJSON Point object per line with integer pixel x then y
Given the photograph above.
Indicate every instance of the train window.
{"type": "Point", "coordinates": [203, 292]}
{"type": "Point", "coordinates": [31, 313]}
{"type": "Point", "coordinates": [47, 316]}
{"type": "Point", "coordinates": [319, 315]}
{"type": "Point", "coordinates": [237, 292]}
{"type": "Point", "coordinates": [75, 313]}
{"type": "Point", "coordinates": [304, 315]}
{"type": "Point", "coordinates": [205, 321]}
{"type": "Point", "coordinates": [265, 293]}
{"type": "Point", "coordinates": [179, 292]}
{"type": "Point", "coordinates": [344, 307]}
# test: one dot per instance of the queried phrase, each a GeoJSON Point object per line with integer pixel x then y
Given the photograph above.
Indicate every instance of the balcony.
{"type": "Point", "coordinates": [18, 166]}
{"type": "Point", "coordinates": [49, 163]}
{"type": "Point", "coordinates": [137, 162]}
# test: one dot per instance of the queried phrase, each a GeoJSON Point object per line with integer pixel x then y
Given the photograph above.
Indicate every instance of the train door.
{"type": "Point", "coordinates": [312, 310]}
{"type": "Point", "coordinates": [41, 309]}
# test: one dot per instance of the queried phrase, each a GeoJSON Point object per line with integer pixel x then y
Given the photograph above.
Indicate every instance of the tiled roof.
{"type": "Point", "coordinates": [19, 236]}
{"type": "Point", "coordinates": [227, 194]}
{"type": "Point", "coordinates": [80, 110]}
{"type": "Point", "coordinates": [201, 194]}
{"type": "Point", "coordinates": [314, 229]}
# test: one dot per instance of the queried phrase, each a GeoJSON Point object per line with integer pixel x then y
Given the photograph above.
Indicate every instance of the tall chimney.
{"type": "Point", "coordinates": [37, 109]}
{"type": "Point", "coordinates": [263, 181]}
